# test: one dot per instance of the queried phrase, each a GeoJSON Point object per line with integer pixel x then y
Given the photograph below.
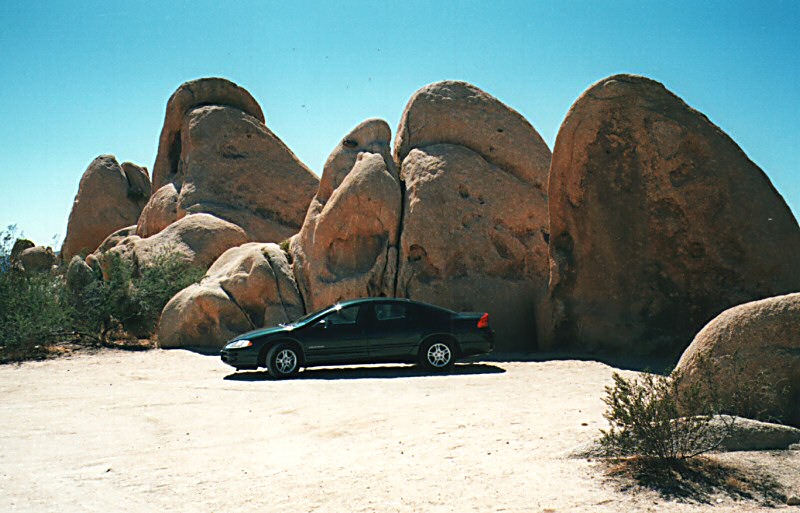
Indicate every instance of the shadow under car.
{"type": "Point", "coordinates": [371, 372]}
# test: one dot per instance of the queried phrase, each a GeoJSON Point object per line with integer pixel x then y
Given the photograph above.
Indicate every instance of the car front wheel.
{"type": "Point", "coordinates": [283, 361]}
{"type": "Point", "coordinates": [437, 355]}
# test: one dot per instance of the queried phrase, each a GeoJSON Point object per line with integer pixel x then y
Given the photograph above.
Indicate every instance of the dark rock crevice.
{"type": "Point", "coordinates": [279, 288]}
{"type": "Point", "coordinates": [399, 246]}
{"type": "Point", "coordinates": [237, 305]}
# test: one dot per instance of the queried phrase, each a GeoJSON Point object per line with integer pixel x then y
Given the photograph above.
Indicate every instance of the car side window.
{"type": "Point", "coordinates": [344, 316]}
{"type": "Point", "coordinates": [390, 312]}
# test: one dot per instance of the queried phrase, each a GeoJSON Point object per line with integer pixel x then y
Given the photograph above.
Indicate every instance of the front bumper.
{"type": "Point", "coordinates": [239, 358]}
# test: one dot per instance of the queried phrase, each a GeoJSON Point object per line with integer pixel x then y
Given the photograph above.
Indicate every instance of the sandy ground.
{"type": "Point", "coordinates": [176, 431]}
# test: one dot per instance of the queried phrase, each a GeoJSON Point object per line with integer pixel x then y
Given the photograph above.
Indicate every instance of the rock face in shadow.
{"type": "Point", "coordinates": [79, 275]}
{"type": "Point", "coordinates": [347, 247]}
{"type": "Point", "coordinates": [658, 222]}
{"type": "Point", "coordinates": [216, 156]}
{"type": "Point", "coordinates": [474, 231]}
{"type": "Point", "coordinates": [109, 197]}
{"type": "Point", "coordinates": [247, 287]}
{"type": "Point", "coordinates": [751, 355]}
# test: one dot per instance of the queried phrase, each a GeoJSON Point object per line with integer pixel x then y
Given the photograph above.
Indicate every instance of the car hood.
{"type": "Point", "coordinates": [261, 332]}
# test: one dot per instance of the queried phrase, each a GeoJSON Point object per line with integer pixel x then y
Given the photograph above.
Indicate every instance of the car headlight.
{"type": "Point", "coordinates": [239, 344]}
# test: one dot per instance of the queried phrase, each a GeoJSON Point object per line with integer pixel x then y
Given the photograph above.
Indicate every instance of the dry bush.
{"type": "Point", "coordinates": [646, 420]}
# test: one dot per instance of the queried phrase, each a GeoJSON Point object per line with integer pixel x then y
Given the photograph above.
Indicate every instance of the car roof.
{"type": "Point", "coordinates": [375, 300]}
{"type": "Point", "coordinates": [364, 300]}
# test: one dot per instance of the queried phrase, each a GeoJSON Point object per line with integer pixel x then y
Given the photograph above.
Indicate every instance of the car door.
{"type": "Point", "coordinates": [337, 337]}
{"type": "Point", "coordinates": [393, 331]}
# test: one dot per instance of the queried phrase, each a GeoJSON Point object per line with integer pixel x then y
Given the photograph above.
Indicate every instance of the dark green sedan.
{"type": "Point", "coordinates": [373, 330]}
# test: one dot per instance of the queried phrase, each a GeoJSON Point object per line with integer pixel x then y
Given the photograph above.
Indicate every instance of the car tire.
{"type": "Point", "coordinates": [283, 361]}
{"type": "Point", "coordinates": [437, 355]}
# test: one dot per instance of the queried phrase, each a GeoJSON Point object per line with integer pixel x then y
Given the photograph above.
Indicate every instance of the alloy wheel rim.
{"type": "Point", "coordinates": [286, 361]}
{"type": "Point", "coordinates": [439, 355]}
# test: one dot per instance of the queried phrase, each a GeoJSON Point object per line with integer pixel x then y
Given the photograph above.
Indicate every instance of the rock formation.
{"type": "Point", "coordinates": [459, 113]}
{"type": "Point", "coordinates": [198, 238]}
{"type": "Point", "coordinates": [109, 197]}
{"type": "Point", "coordinates": [753, 435]}
{"type": "Point", "coordinates": [220, 158]}
{"type": "Point", "coordinates": [192, 94]}
{"type": "Point", "coordinates": [37, 259]}
{"type": "Point", "coordinates": [116, 238]}
{"type": "Point", "coordinates": [658, 222]}
{"type": "Point", "coordinates": [347, 247]}
{"type": "Point", "coordinates": [19, 246]}
{"type": "Point", "coordinates": [160, 212]}
{"type": "Point", "coordinates": [648, 223]}
{"type": "Point", "coordinates": [474, 231]}
{"type": "Point", "coordinates": [751, 354]}
{"type": "Point", "coordinates": [247, 287]}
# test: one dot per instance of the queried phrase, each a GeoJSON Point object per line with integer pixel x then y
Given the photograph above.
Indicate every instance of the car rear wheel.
{"type": "Point", "coordinates": [437, 355]}
{"type": "Point", "coordinates": [283, 361]}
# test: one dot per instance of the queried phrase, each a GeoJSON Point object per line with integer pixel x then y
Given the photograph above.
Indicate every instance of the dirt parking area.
{"type": "Point", "coordinates": [177, 431]}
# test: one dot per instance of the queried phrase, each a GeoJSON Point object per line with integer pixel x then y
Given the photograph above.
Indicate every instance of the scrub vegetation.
{"type": "Point", "coordinates": [661, 431]}
{"type": "Point", "coordinates": [39, 312]}
{"type": "Point", "coordinates": [649, 418]}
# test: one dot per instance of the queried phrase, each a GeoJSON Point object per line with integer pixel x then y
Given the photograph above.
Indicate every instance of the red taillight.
{"type": "Point", "coordinates": [484, 321]}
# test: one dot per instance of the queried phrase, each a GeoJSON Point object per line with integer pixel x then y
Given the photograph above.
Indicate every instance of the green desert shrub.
{"type": "Point", "coordinates": [38, 310]}
{"type": "Point", "coordinates": [35, 308]}
{"type": "Point", "coordinates": [648, 417]}
{"type": "Point", "coordinates": [129, 300]}
{"type": "Point", "coordinates": [35, 311]}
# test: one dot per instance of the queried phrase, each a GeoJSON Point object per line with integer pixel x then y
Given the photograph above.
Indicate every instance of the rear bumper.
{"type": "Point", "coordinates": [482, 344]}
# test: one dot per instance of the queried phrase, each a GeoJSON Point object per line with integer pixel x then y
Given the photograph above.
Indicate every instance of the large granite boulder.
{"type": "Point", "coordinates": [37, 259]}
{"type": "Point", "coordinates": [347, 247]}
{"type": "Point", "coordinates": [474, 233]}
{"type": "Point", "coordinates": [109, 197]}
{"type": "Point", "coordinates": [750, 356]}
{"type": "Point", "coordinates": [247, 287]}
{"type": "Point", "coordinates": [221, 159]}
{"type": "Point", "coordinates": [115, 239]}
{"type": "Point", "coordinates": [370, 136]}
{"type": "Point", "coordinates": [199, 239]}
{"type": "Point", "coordinates": [459, 113]}
{"type": "Point", "coordinates": [192, 94]}
{"type": "Point", "coordinates": [658, 222]}
{"type": "Point", "coordinates": [160, 212]}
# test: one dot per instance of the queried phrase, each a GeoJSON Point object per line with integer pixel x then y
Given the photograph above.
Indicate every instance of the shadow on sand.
{"type": "Point", "coordinates": [698, 480]}
{"type": "Point", "coordinates": [655, 365]}
{"type": "Point", "coordinates": [371, 372]}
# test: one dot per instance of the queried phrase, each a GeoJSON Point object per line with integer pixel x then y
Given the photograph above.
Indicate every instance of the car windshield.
{"type": "Point", "coordinates": [313, 315]}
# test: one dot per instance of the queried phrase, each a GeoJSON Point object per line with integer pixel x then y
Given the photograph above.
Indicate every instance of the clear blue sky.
{"type": "Point", "coordinates": [84, 78]}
